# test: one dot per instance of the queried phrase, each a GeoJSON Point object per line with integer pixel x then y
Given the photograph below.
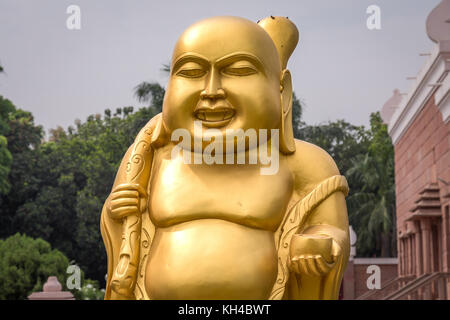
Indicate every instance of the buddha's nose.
{"type": "Point", "coordinates": [213, 89]}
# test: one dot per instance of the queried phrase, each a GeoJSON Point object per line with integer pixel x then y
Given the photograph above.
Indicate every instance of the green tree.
{"type": "Point", "coordinates": [23, 140]}
{"type": "Point", "coordinates": [61, 173]}
{"type": "Point", "coordinates": [297, 113]}
{"type": "Point", "coordinates": [152, 93]}
{"type": "Point", "coordinates": [90, 291]}
{"type": "Point", "coordinates": [25, 265]}
{"type": "Point", "coordinates": [5, 163]}
{"type": "Point", "coordinates": [340, 139]}
{"type": "Point", "coordinates": [6, 108]}
{"type": "Point", "coordinates": [372, 206]}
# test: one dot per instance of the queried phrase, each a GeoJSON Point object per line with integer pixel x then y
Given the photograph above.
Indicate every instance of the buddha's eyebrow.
{"type": "Point", "coordinates": [242, 56]}
{"type": "Point", "coordinates": [187, 57]}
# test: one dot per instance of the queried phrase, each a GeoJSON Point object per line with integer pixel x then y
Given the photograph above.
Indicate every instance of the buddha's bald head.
{"type": "Point", "coordinates": [217, 37]}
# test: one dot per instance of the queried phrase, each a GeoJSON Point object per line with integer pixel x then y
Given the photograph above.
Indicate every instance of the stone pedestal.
{"type": "Point", "coordinates": [51, 291]}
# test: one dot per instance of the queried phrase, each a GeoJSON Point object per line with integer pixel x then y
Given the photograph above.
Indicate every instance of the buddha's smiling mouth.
{"type": "Point", "coordinates": [214, 117]}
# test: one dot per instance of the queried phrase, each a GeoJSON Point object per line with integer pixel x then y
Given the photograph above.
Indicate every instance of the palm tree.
{"type": "Point", "coordinates": [152, 92]}
{"type": "Point", "coordinates": [372, 207]}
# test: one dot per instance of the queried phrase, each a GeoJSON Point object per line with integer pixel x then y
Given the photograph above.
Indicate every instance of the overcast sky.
{"type": "Point", "coordinates": [340, 69]}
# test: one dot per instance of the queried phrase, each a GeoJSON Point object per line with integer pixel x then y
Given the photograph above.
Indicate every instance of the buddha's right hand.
{"type": "Point", "coordinates": [126, 203]}
{"type": "Point", "coordinates": [127, 199]}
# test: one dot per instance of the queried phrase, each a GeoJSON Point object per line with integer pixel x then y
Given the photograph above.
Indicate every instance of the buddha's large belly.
{"type": "Point", "coordinates": [211, 259]}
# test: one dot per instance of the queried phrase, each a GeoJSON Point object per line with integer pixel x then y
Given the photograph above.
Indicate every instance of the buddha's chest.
{"type": "Point", "coordinates": [182, 192]}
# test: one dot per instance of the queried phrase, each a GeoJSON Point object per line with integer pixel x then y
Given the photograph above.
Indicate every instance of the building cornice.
{"type": "Point", "coordinates": [442, 97]}
{"type": "Point", "coordinates": [375, 261]}
{"type": "Point", "coordinates": [431, 80]}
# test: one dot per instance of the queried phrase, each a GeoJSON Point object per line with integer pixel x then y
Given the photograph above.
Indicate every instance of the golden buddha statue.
{"type": "Point", "coordinates": [177, 228]}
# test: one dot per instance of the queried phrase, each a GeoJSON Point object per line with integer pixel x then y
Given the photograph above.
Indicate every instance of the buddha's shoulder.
{"type": "Point", "coordinates": [310, 165]}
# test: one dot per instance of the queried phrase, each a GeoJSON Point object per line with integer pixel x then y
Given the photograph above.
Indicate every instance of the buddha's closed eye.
{"type": "Point", "coordinates": [196, 70]}
{"type": "Point", "coordinates": [191, 70]}
{"type": "Point", "coordinates": [240, 68]}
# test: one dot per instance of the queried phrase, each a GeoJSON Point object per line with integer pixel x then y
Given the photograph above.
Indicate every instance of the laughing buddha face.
{"type": "Point", "coordinates": [225, 73]}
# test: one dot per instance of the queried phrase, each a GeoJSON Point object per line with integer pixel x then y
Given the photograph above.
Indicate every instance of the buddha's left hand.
{"type": "Point", "coordinates": [312, 254]}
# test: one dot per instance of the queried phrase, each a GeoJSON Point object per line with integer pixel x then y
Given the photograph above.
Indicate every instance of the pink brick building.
{"type": "Point", "coordinates": [419, 125]}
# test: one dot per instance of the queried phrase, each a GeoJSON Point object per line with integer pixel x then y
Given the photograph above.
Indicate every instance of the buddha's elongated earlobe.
{"type": "Point", "coordinates": [287, 143]}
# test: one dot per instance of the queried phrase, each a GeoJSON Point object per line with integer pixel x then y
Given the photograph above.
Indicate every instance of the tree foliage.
{"type": "Point", "coordinates": [90, 291]}
{"type": "Point", "coordinates": [152, 93]}
{"type": "Point", "coordinates": [6, 108]}
{"type": "Point", "coordinates": [26, 264]}
{"type": "Point", "coordinates": [23, 142]}
{"type": "Point", "coordinates": [340, 139]}
{"type": "Point", "coordinates": [372, 206]}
